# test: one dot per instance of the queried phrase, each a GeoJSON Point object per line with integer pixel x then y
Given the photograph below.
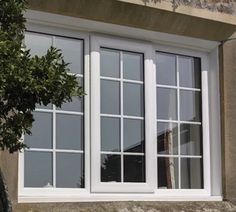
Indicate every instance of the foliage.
{"type": "Point", "coordinates": [26, 81]}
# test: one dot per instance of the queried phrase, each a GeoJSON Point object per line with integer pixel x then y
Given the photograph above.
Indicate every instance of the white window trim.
{"type": "Point", "coordinates": [96, 43]}
{"type": "Point", "coordinates": [68, 26]}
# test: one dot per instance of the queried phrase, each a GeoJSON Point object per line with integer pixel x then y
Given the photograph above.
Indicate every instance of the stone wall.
{"type": "Point", "coordinates": [223, 6]}
{"type": "Point", "coordinates": [128, 207]}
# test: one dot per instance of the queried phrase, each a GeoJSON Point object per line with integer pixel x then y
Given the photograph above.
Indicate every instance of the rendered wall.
{"type": "Point", "coordinates": [121, 12]}
{"type": "Point", "coordinates": [228, 108]}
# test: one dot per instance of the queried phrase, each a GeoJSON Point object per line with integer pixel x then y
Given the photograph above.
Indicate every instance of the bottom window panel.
{"type": "Point", "coordinates": [38, 169]}
{"type": "Point", "coordinates": [168, 173]}
{"type": "Point", "coordinates": [110, 168]}
{"type": "Point", "coordinates": [191, 173]}
{"type": "Point", "coordinates": [69, 170]}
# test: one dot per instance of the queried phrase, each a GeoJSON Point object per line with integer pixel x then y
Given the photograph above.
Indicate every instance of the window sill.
{"type": "Point", "coordinates": [114, 197]}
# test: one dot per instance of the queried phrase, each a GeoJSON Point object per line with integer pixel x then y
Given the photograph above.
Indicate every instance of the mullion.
{"type": "Point", "coordinates": [121, 118]}
{"type": "Point", "coordinates": [178, 119]}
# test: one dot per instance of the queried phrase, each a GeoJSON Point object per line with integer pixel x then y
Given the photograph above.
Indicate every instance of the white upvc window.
{"type": "Point", "coordinates": [122, 131]}
{"type": "Point", "coordinates": [140, 132]}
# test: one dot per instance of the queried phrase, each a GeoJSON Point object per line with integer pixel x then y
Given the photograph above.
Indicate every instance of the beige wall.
{"type": "Point", "coordinates": [154, 16]}
{"type": "Point", "coordinates": [157, 19]}
{"type": "Point", "coordinates": [228, 107]}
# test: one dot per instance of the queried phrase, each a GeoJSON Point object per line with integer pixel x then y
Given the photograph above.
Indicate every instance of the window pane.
{"type": "Point", "coordinates": [166, 69]}
{"type": "Point", "coordinates": [190, 105]}
{"type": "Point", "coordinates": [41, 131]}
{"type": "Point", "coordinates": [166, 104]}
{"type": "Point", "coordinates": [49, 106]}
{"type": "Point", "coordinates": [134, 168]}
{"type": "Point", "coordinates": [133, 99]}
{"type": "Point", "coordinates": [38, 43]}
{"type": "Point", "coordinates": [110, 168]}
{"type": "Point", "coordinates": [167, 137]}
{"type": "Point", "coordinates": [168, 173]}
{"type": "Point", "coordinates": [134, 135]}
{"type": "Point", "coordinates": [72, 50]}
{"type": "Point", "coordinates": [69, 131]}
{"type": "Point", "coordinates": [190, 72]}
{"type": "Point", "coordinates": [110, 97]}
{"type": "Point", "coordinates": [191, 173]}
{"type": "Point", "coordinates": [77, 103]}
{"type": "Point", "coordinates": [110, 63]}
{"type": "Point", "coordinates": [191, 139]}
{"type": "Point", "coordinates": [133, 66]}
{"type": "Point", "coordinates": [69, 170]}
{"type": "Point", "coordinates": [110, 134]}
{"type": "Point", "coordinates": [38, 169]}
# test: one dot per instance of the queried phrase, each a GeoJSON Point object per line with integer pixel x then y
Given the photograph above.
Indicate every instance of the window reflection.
{"type": "Point", "coordinates": [167, 138]}
{"type": "Point", "coordinates": [110, 168]}
{"type": "Point", "coordinates": [167, 173]}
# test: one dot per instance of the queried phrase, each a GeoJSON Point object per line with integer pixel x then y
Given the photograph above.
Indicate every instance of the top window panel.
{"type": "Point", "coordinates": [189, 69]}
{"type": "Point", "coordinates": [72, 50]}
{"type": "Point", "coordinates": [133, 66]}
{"type": "Point", "coordinates": [166, 69]}
{"type": "Point", "coordinates": [189, 72]}
{"type": "Point", "coordinates": [110, 63]}
{"type": "Point", "coordinates": [38, 43]}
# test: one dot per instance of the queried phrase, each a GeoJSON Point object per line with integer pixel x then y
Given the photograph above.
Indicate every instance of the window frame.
{"type": "Point", "coordinates": [57, 24]}
{"type": "Point", "coordinates": [31, 191]}
{"type": "Point", "coordinates": [98, 42]}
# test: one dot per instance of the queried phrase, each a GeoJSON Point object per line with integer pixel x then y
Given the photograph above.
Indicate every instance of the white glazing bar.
{"type": "Point", "coordinates": [122, 119]}
{"type": "Point", "coordinates": [69, 151]}
{"type": "Point", "coordinates": [177, 156]}
{"type": "Point", "coordinates": [44, 110]}
{"type": "Point", "coordinates": [39, 150]}
{"type": "Point", "coordinates": [54, 134]}
{"type": "Point", "coordinates": [69, 112]}
{"type": "Point", "coordinates": [123, 153]}
{"type": "Point", "coordinates": [119, 116]}
{"type": "Point", "coordinates": [175, 87]}
{"type": "Point", "coordinates": [181, 122]}
{"type": "Point", "coordinates": [178, 114]}
{"type": "Point", "coordinates": [119, 79]}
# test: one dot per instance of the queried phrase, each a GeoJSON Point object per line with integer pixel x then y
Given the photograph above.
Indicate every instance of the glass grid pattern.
{"type": "Point", "coordinates": [174, 158]}
{"type": "Point", "coordinates": [56, 152]}
{"type": "Point", "coordinates": [122, 154]}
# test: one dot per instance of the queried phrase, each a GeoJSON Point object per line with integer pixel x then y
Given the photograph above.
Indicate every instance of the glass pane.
{"type": "Point", "coordinates": [134, 135]}
{"type": "Point", "coordinates": [69, 131]}
{"type": "Point", "coordinates": [110, 63]}
{"type": "Point", "coordinates": [191, 173]}
{"type": "Point", "coordinates": [49, 106]}
{"type": "Point", "coordinates": [133, 99]}
{"type": "Point", "coordinates": [41, 131]}
{"type": "Point", "coordinates": [133, 66]}
{"type": "Point", "coordinates": [110, 97]}
{"type": "Point", "coordinates": [134, 168]}
{"type": "Point", "coordinates": [167, 138]}
{"type": "Point", "coordinates": [70, 170]}
{"type": "Point", "coordinates": [190, 72]}
{"type": "Point", "coordinates": [168, 173]}
{"type": "Point", "coordinates": [166, 104]}
{"type": "Point", "coordinates": [72, 50]}
{"type": "Point", "coordinates": [38, 169]}
{"type": "Point", "coordinates": [110, 134]}
{"type": "Point", "coordinates": [190, 105]}
{"type": "Point", "coordinates": [38, 43]}
{"type": "Point", "coordinates": [191, 139]}
{"type": "Point", "coordinates": [166, 69]}
{"type": "Point", "coordinates": [77, 103]}
{"type": "Point", "coordinates": [110, 168]}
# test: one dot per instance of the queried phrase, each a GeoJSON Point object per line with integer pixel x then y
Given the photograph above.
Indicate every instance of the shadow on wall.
{"type": "Point", "coordinates": [5, 204]}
